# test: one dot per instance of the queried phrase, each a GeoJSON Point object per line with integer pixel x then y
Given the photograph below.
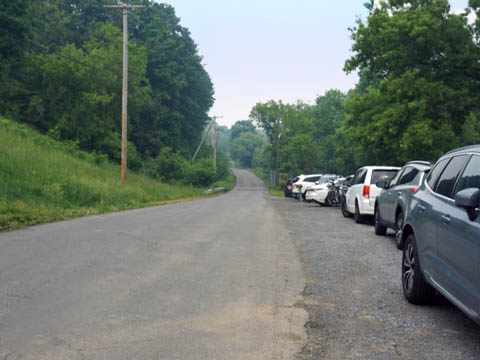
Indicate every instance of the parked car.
{"type": "Point", "coordinates": [361, 195]}
{"type": "Point", "coordinates": [390, 205]}
{"type": "Point", "coordinates": [289, 187]}
{"type": "Point", "coordinates": [442, 234]}
{"type": "Point", "coordinates": [319, 191]}
{"type": "Point", "coordinates": [344, 188]}
{"type": "Point", "coordinates": [303, 183]}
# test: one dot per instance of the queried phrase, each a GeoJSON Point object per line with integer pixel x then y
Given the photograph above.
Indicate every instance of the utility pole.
{"type": "Point", "coordinates": [201, 142]}
{"type": "Point", "coordinates": [212, 128]}
{"type": "Point", "coordinates": [214, 142]}
{"type": "Point", "coordinates": [124, 8]}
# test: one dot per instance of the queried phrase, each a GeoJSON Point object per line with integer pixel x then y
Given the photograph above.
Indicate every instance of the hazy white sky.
{"type": "Point", "coordinates": [259, 50]}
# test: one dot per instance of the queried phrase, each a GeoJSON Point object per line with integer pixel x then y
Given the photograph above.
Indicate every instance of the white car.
{"type": "Point", "coordinates": [303, 183]}
{"type": "Point", "coordinates": [318, 192]}
{"type": "Point", "coordinates": [360, 197]}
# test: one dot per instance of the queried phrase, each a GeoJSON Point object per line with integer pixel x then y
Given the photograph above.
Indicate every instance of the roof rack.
{"type": "Point", "coordinates": [422, 162]}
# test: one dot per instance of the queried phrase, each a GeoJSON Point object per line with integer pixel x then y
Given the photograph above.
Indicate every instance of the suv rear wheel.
{"type": "Point", "coordinates": [379, 228]}
{"type": "Point", "coordinates": [398, 230]}
{"type": "Point", "coordinates": [415, 288]}
{"type": "Point", "coordinates": [358, 218]}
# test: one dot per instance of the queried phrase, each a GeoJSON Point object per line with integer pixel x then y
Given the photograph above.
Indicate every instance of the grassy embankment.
{"type": "Point", "coordinates": [273, 190]}
{"type": "Point", "coordinates": [42, 180]}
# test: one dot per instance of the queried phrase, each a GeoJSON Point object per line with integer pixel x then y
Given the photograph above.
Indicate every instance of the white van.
{"type": "Point", "coordinates": [360, 197]}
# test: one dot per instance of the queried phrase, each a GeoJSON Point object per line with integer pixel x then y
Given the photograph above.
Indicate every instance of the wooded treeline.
{"type": "Point", "coordinates": [418, 95]}
{"type": "Point", "coordinates": [61, 68]}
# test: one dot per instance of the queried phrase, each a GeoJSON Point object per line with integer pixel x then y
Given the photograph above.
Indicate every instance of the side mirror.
{"type": "Point", "coordinates": [470, 200]}
{"type": "Point", "coordinates": [382, 184]}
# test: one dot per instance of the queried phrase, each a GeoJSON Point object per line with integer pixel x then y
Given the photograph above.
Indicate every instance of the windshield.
{"type": "Point", "coordinates": [326, 179]}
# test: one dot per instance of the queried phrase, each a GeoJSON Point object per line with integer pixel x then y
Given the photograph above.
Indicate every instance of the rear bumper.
{"type": "Point", "coordinates": [364, 206]}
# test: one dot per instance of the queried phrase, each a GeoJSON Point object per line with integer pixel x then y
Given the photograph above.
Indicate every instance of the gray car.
{"type": "Point", "coordinates": [390, 205]}
{"type": "Point", "coordinates": [442, 234]}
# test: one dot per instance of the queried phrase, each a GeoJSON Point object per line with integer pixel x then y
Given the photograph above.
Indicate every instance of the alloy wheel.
{"type": "Point", "coordinates": [408, 267]}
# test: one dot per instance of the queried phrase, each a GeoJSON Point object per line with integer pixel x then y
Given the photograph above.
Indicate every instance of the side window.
{"type": "Point", "coordinates": [435, 173]}
{"type": "Point", "coordinates": [360, 178]}
{"type": "Point", "coordinates": [449, 176]}
{"type": "Point", "coordinates": [471, 175]}
{"type": "Point", "coordinates": [408, 175]}
{"type": "Point", "coordinates": [311, 179]}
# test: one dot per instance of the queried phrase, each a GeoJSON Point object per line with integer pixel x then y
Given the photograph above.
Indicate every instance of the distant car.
{"type": "Point", "coordinates": [289, 187]}
{"type": "Point", "coordinates": [442, 234]}
{"type": "Point", "coordinates": [319, 191]}
{"type": "Point", "coordinates": [390, 205]}
{"type": "Point", "coordinates": [303, 183]}
{"type": "Point", "coordinates": [360, 197]}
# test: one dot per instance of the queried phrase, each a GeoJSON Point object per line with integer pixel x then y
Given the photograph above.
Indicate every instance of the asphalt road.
{"type": "Point", "coordinates": [208, 279]}
{"type": "Point", "coordinates": [354, 296]}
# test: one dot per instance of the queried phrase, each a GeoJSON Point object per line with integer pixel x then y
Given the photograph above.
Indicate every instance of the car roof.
{"type": "Point", "coordinates": [465, 149]}
{"type": "Point", "coordinates": [311, 175]}
{"type": "Point", "coordinates": [381, 167]}
{"type": "Point", "coordinates": [419, 164]}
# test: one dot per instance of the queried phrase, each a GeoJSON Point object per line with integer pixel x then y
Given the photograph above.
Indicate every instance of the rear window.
{"type": "Point", "coordinates": [382, 175]}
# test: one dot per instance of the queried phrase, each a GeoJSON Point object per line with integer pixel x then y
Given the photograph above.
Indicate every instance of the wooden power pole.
{"type": "Point", "coordinates": [211, 128]}
{"type": "Point", "coordinates": [124, 8]}
{"type": "Point", "coordinates": [214, 142]}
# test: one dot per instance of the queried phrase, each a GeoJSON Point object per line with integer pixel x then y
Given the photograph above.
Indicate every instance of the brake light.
{"type": "Point", "coordinates": [414, 189]}
{"type": "Point", "coordinates": [366, 191]}
{"type": "Point", "coordinates": [298, 186]}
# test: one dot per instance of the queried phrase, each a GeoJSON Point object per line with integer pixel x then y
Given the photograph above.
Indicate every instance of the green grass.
{"type": "Point", "coordinates": [42, 180]}
{"type": "Point", "coordinates": [273, 190]}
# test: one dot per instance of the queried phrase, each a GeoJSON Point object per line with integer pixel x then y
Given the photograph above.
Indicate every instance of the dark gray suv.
{"type": "Point", "coordinates": [390, 205]}
{"type": "Point", "coordinates": [442, 234]}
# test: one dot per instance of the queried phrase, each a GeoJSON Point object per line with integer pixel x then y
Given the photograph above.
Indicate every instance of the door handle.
{"type": "Point", "coordinates": [399, 193]}
{"type": "Point", "coordinates": [421, 208]}
{"type": "Point", "coordinates": [446, 219]}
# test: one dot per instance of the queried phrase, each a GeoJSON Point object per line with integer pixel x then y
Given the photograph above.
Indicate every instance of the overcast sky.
{"type": "Point", "coordinates": [259, 50]}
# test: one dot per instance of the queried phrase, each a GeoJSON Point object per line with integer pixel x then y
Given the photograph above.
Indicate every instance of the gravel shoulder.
{"type": "Point", "coordinates": [354, 298]}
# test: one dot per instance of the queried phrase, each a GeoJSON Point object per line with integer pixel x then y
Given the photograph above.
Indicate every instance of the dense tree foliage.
{"type": "Point", "coordinates": [61, 68]}
{"type": "Point", "coordinates": [417, 95]}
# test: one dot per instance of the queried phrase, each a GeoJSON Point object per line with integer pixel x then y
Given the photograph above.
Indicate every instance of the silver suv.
{"type": "Point", "coordinates": [442, 234]}
{"type": "Point", "coordinates": [390, 205]}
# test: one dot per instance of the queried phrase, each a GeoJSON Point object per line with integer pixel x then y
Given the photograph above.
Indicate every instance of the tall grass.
{"type": "Point", "coordinates": [42, 180]}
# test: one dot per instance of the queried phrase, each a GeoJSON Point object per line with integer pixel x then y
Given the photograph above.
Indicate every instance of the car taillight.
{"type": "Point", "coordinates": [298, 186]}
{"type": "Point", "coordinates": [366, 191]}
{"type": "Point", "coordinates": [414, 189]}
{"type": "Point", "coordinates": [289, 187]}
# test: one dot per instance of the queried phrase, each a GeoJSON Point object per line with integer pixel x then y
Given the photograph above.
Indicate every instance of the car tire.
{"type": "Point", "coordinates": [415, 289]}
{"type": "Point", "coordinates": [379, 228]}
{"type": "Point", "coordinates": [345, 212]}
{"type": "Point", "coordinates": [357, 216]}
{"type": "Point", "coordinates": [328, 201]}
{"type": "Point", "coordinates": [398, 230]}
